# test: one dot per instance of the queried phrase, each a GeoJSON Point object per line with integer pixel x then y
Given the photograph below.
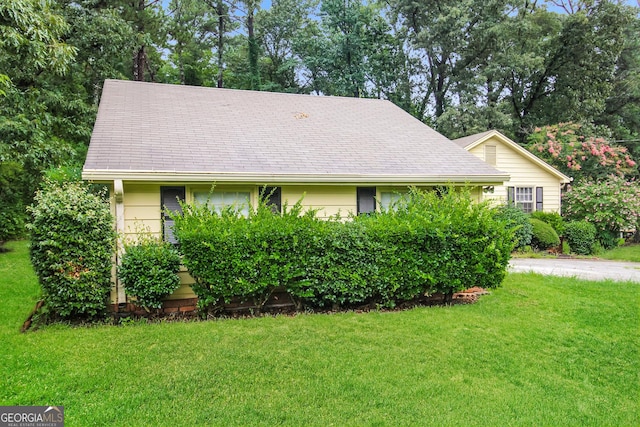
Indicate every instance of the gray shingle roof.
{"type": "Point", "coordinates": [159, 128]}
{"type": "Point", "coordinates": [470, 139]}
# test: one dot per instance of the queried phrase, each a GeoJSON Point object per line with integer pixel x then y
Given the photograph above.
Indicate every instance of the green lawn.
{"type": "Point", "coordinates": [623, 253]}
{"type": "Point", "coordinates": [538, 351]}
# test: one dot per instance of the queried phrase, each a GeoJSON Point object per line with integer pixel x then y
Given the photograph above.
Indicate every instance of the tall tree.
{"type": "Point", "coordinates": [31, 45]}
{"type": "Point", "coordinates": [192, 29]}
{"type": "Point", "coordinates": [559, 67]}
{"type": "Point", "coordinates": [453, 38]}
{"type": "Point", "coordinates": [622, 108]}
{"type": "Point", "coordinates": [277, 30]}
{"type": "Point", "coordinates": [146, 18]}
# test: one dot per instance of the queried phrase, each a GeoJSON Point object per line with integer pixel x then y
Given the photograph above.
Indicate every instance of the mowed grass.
{"type": "Point", "coordinates": [538, 351]}
{"type": "Point", "coordinates": [623, 253]}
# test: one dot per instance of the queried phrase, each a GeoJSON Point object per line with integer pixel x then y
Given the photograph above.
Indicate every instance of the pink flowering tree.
{"type": "Point", "coordinates": [574, 150]}
{"type": "Point", "coordinates": [612, 205]}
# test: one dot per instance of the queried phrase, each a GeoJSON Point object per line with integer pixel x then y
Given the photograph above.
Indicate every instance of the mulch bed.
{"type": "Point", "coordinates": [239, 311]}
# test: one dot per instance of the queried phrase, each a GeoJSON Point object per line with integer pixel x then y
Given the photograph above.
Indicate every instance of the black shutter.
{"type": "Point", "coordinates": [511, 195]}
{"type": "Point", "coordinates": [366, 200]}
{"type": "Point", "coordinates": [273, 197]}
{"type": "Point", "coordinates": [170, 198]}
{"type": "Point", "coordinates": [539, 198]}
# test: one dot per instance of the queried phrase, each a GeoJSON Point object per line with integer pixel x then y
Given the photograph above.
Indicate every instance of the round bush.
{"type": "Point", "coordinates": [519, 221]}
{"type": "Point", "coordinates": [72, 242]}
{"type": "Point", "coordinates": [149, 272]}
{"type": "Point", "coordinates": [581, 236]}
{"type": "Point", "coordinates": [544, 236]}
{"type": "Point", "coordinates": [552, 218]}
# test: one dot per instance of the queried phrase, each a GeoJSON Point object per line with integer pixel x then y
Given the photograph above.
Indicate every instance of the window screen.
{"type": "Point", "coordinates": [218, 200]}
{"type": "Point", "coordinates": [273, 197]}
{"type": "Point", "coordinates": [170, 198]}
{"type": "Point", "coordinates": [366, 200]}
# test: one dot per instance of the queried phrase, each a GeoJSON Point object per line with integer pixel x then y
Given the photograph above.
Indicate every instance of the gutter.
{"type": "Point", "coordinates": [313, 179]}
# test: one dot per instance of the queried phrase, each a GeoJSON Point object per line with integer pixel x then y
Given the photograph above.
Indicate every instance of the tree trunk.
{"type": "Point", "coordinates": [220, 12]}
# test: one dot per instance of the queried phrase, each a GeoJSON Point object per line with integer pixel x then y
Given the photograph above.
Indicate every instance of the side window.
{"type": "Point", "coordinates": [274, 197]}
{"type": "Point", "coordinates": [170, 198]}
{"type": "Point", "coordinates": [218, 200]}
{"type": "Point", "coordinates": [366, 202]}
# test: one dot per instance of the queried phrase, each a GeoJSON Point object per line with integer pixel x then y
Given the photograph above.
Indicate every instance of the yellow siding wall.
{"type": "Point", "coordinates": [329, 200]}
{"type": "Point", "coordinates": [524, 173]}
{"type": "Point", "coordinates": [142, 211]}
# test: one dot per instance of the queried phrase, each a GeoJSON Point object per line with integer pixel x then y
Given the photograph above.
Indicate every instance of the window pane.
{"type": "Point", "coordinates": [388, 198]}
{"type": "Point", "coordinates": [524, 198]}
{"type": "Point", "coordinates": [218, 200]}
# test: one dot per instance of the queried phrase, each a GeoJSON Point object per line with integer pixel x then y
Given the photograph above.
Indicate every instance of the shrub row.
{"type": "Point", "coordinates": [425, 244]}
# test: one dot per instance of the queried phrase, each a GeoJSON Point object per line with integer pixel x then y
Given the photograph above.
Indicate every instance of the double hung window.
{"type": "Point", "coordinates": [526, 198]}
{"type": "Point", "coordinates": [219, 200]}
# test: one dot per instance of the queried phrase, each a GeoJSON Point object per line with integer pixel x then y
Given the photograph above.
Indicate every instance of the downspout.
{"type": "Point", "coordinates": [118, 192]}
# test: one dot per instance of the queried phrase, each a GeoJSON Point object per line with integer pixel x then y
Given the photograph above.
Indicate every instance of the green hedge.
{"type": "Point", "coordinates": [519, 221]}
{"type": "Point", "coordinates": [72, 244]}
{"type": "Point", "coordinates": [544, 236]}
{"type": "Point", "coordinates": [581, 236]}
{"type": "Point", "coordinates": [427, 244]}
{"type": "Point", "coordinates": [554, 219]}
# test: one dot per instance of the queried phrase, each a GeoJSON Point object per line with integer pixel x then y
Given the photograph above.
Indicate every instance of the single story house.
{"type": "Point", "coordinates": [534, 185]}
{"type": "Point", "coordinates": [154, 144]}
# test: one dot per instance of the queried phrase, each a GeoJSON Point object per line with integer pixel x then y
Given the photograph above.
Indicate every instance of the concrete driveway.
{"type": "Point", "coordinates": [580, 268]}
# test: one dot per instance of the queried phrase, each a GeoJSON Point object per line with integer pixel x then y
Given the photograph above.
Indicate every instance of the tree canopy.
{"type": "Point", "coordinates": [462, 66]}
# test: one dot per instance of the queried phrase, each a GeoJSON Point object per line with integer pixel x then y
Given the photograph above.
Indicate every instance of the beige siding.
{"type": "Point", "coordinates": [329, 200]}
{"type": "Point", "coordinates": [142, 211]}
{"type": "Point", "coordinates": [524, 173]}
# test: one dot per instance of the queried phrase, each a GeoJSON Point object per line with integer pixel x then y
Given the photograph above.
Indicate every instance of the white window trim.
{"type": "Point", "coordinates": [525, 196]}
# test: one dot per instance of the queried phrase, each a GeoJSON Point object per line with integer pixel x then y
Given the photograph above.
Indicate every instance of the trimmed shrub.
{"type": "Point", "coordinates": [428, 244]}
{"type": "Point", "coordinates": [554, 219]}
{"type": "Point", "coordinates": [519, 222]}
{"type": "Point", "coordinates": [581, 236]}
{"type": "Point", "coordinates": [72, 243]}
{"type": "Point", "coordinates": [149, 271]}
{"type": "Point", "coordinates": [232, 256]}
{"type": "Point", "coordinates": [544, 236]}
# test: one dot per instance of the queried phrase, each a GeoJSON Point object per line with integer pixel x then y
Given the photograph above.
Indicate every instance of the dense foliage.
{"type": "Point", "coordinates": [611, 205]}
{"type": "Point", "coordinates": [519, 221]}
{"type": "Point", "coordinates": [72, 242]}
{"type": "Point", "coordinates": [581, 237]}
{"type": "Point", "coordinates": [460, 66]}
{"type": "Point", "coordinates": [427, 244]}
{"type": "Point", "coordinates": [544, 236]}
{"type": "Point", "coordinates": [149, 271]}
{"type": "Point", "coordinates": [554, 219]}
{"type": "Point", "coordinates": [578, 153]}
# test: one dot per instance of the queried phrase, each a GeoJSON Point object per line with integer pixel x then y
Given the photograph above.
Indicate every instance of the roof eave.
{"type": "Point", "coordinates": [292, 179]}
